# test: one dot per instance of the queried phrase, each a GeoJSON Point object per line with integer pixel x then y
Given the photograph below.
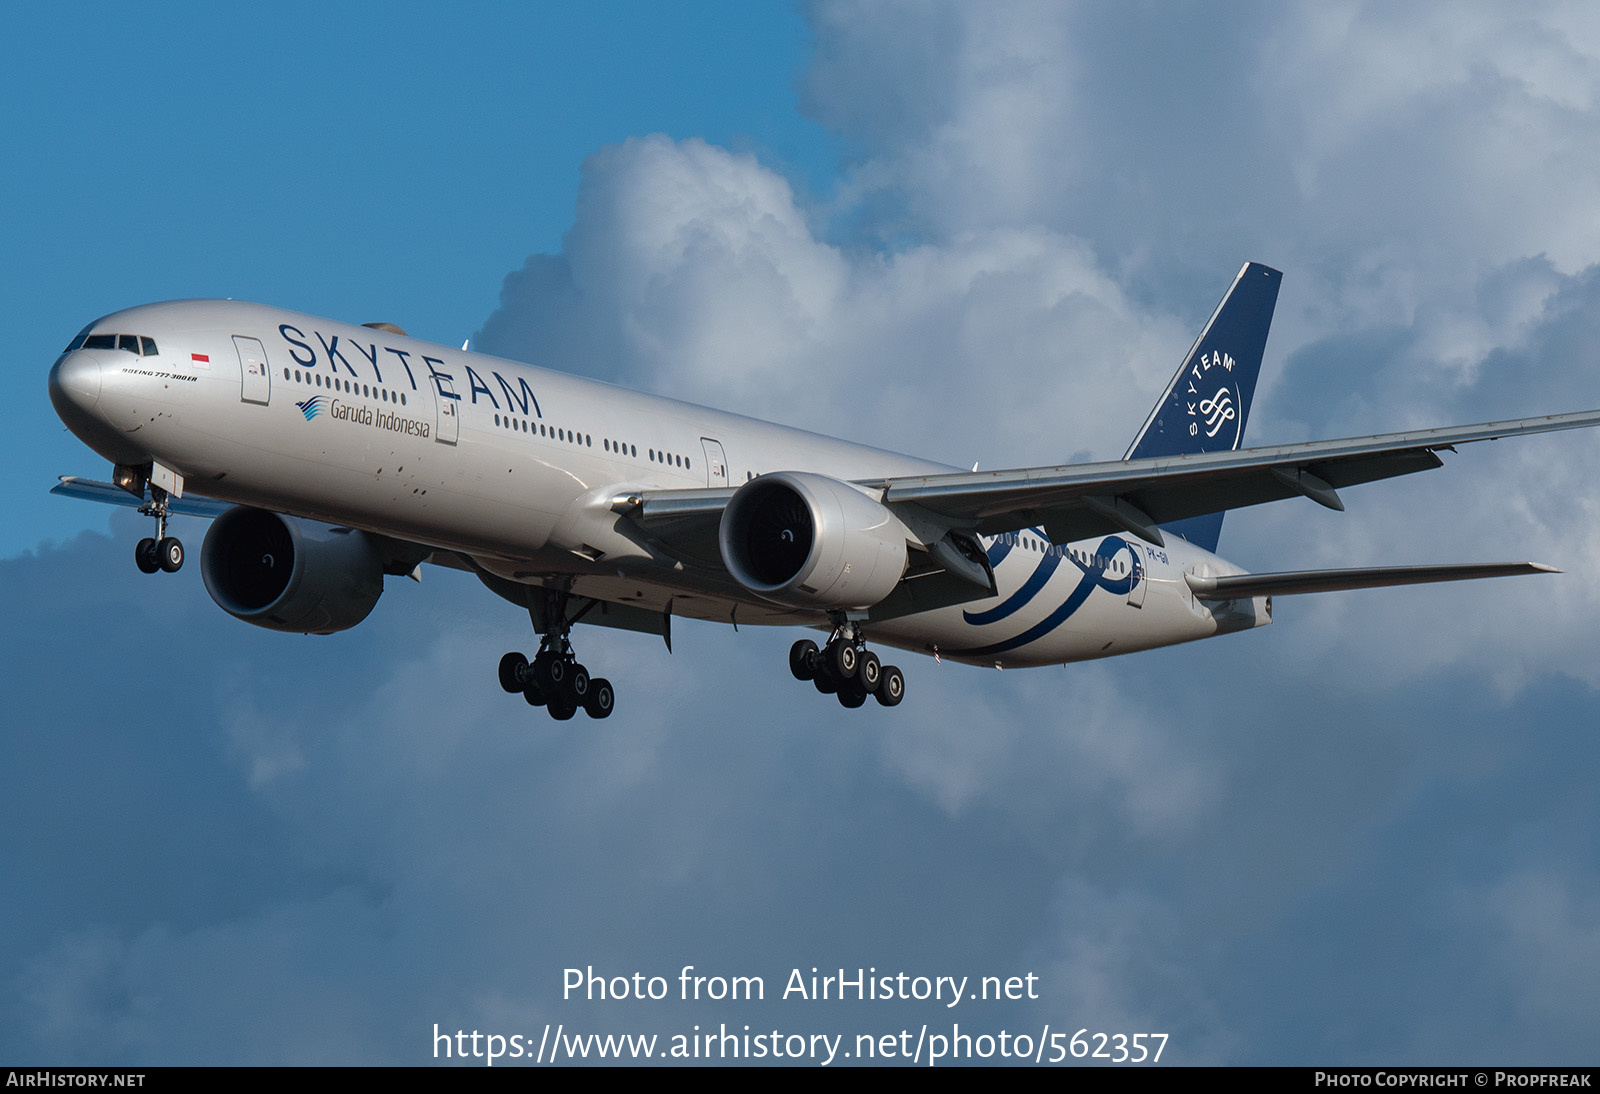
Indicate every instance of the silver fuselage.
{"type": "Point", "coordinates": [511, 466]}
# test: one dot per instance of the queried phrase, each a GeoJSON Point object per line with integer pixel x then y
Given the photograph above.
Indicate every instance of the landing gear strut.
{"type": "Point", "coordinates": [161, 551]}
{"type": "Point", "coordinates": [846, 668]}
{"type": "Point", "coordinates": [554, 679]}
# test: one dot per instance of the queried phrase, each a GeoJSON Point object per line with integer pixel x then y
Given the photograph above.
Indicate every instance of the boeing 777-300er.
{"type": "Point", "coordinates": [331, 455]}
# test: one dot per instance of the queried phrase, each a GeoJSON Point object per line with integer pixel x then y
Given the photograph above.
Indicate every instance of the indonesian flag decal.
{"type": "Point", "coordinates": [200, 357]}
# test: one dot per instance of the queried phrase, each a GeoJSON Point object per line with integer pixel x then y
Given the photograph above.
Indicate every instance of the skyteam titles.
{"type": "Point", "coordinates": [853, 985]}
{"type": "Point", "coordinates": [368, 360]}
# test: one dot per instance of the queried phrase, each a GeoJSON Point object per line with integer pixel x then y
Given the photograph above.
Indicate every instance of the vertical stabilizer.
{"type": "Point", "coordinates": [1206, 407]}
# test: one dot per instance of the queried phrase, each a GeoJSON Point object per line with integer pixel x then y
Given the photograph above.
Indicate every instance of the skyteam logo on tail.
{"type": "Point", "coordinates": [1207, 406]}
{"type": "Point", "coordinates": [1218, 413]}
{"type": "Point", "coordinates": [313, 406]}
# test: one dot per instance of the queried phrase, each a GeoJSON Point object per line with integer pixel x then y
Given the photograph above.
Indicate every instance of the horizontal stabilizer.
{"type": "Point", "coordinates": [1240, 586]}
{"type": "Point", "coordinates": [71, 486]}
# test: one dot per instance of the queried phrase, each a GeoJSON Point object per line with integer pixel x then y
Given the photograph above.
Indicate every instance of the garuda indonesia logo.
{"type": "Point", "coordinates": [313, 406]}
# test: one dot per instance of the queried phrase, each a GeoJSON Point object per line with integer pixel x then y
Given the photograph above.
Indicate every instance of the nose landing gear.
{"type": "Point", "coordinates": [161, 551]}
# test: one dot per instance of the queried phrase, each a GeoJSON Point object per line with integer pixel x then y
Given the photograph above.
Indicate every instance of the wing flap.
{"type": "Point", "coordinates": [1243, 586]}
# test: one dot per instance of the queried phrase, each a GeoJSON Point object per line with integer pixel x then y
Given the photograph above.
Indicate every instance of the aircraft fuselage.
{"type": "Point", "coordinates": [516, 467]}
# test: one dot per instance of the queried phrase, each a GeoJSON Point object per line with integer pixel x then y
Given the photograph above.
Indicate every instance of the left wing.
{"type": "Point", "coordinates": [1136, 496]}
{"type": "Point", "coordinates": [1084, 500]}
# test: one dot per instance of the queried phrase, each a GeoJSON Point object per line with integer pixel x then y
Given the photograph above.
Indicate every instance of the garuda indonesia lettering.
{"type": "Point", "coordinates": [331, 455]}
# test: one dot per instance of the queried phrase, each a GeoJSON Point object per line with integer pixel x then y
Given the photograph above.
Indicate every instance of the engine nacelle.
{"type": "Point", "coordinates": [289, 574]}
{"type": "Point", "coordinates": [810, 541]}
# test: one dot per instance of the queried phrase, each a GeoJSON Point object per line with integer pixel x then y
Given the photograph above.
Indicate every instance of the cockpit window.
{"type": "Point", "coordinates": [77, 343]}
{"type": "Point", "coordinates": [133, 343]}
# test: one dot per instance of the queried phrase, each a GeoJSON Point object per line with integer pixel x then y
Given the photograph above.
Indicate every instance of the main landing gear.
{"type": "Point", "coordinates": [846, 668]}
{"type": "Point", "coordinates": [554, 679]}
{"type": "Point", "coordinates": [161, 551]}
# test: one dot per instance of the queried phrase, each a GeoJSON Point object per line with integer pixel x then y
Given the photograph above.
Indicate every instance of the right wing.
{"type": "Point", "coordinates": [71, 486]}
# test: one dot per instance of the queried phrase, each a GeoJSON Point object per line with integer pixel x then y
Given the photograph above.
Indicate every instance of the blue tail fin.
{"type": "Point", "coordinates": [1206, 407]}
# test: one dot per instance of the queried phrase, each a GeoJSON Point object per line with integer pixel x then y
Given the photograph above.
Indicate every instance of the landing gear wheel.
{"type": "Point", "coordinates": [144, 556]}
{"type": "Point", "coordinates": [869, 673]}
{"type": "Point", "coordinates": [891, 687]}
{"type": "Point", "coordinates": [554, 679]}
{"type": "Point", "coordinates": [512, 667]}
{"type": "Point", "coordinates": [803, 659]}
{"type": "Point", "coordinates": [551, 672]}
{"type": "Point", "coordinates": [601, 699]}
{"type": "Point", "coordinates": [169, 552]}
{"type": "Point", "coordinates": [577, 685]}
{"type": "Point", "coordinates": [845, 667]}
{"type": "Point", "coordinates": [843, 659]}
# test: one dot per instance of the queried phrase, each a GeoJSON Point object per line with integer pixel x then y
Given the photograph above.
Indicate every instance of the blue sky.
{"type": "Point", "coordinates": [1365, 834]}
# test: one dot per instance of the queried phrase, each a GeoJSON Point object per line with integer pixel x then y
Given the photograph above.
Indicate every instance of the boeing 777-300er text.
{"type": "Point", "coordinates": [332, 455]}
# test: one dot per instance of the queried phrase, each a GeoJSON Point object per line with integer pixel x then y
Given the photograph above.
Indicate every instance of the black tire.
{"type": "Point", "coordinates": [169, 554]}
{"type": "Point", "coordinates": [843, 660]}
{"type": "Point", "coordinates": [144, 556]}
{"type": "Point", "coordinates": [576, 689]}
{"type": "Point", "coordinates": [512, 668]}
{"type": "Point", "coordinates": [892, 686]}
{"type": "Point", "coordinates": [551, 672]}
{"type": "Point", "coordinates": [803, 659]}
{"type": "Point", "coordinates": [852, 697]}
{"type": "Point", "coordinates": [869, 672]}
{"type": "Point", "coordinates": [601, 700]}
{"type": "Point", "coordinates": [824, 683]}
{"type": "Point", "coordinates": [561, 711]}
{"type": "Point", "coordinates": [533, 693]}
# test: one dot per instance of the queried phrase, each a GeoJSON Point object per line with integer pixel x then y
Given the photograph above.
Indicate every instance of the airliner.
{"type": "Point", "coordinates": [331, 455]}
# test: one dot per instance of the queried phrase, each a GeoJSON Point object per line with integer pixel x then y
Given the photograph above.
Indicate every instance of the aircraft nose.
{"type": "Point", "coordinates": [75, 383]}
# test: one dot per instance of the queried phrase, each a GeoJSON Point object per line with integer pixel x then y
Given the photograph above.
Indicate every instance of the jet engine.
{"type": "Point", "coordinates": [289, 574]}
{"type": "Point", "coordinates": [810, 541]}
